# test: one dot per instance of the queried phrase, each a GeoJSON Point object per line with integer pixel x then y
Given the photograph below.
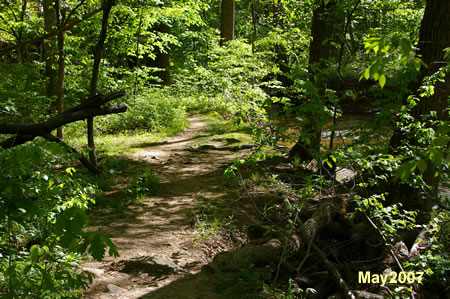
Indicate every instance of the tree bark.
{"type": "Point", "coordinates": [433, 39]}
{"type": "Point", "coordinates": [20, 33]}
{"type": "Point", "coordinates": [227, 21]}
{"type": "Point", "coordinates": [25, 132]}
{"type": "Point", "coordinates": [319, 52]}
{"type": "Point", "coordinates": [163, 58]}
{"type": "Point", "coordinates": [254, 29]}
{"type": "Point", "coordinates": [50, 49]}
{"type": "Point", "coordinates": [61, 67]}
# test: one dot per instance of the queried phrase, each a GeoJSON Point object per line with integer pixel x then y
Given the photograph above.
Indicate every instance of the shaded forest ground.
{"type": "Point", "coordinates": [173, 233]}
{"type": "Point", "coordinates": [185, 231]}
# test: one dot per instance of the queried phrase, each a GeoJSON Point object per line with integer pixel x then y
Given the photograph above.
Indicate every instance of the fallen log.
{"type": "Point", "coordinates": [85, 110]}
{"type": "Point", "coordinates": [25, 132]}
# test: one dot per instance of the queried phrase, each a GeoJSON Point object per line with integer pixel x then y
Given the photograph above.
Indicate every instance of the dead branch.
{"type": "Point", "coordinates": [72, 150]}
{"type": "Point", "coordinates": [24, 132]}
{"type": "Point", "coordinates": [306, 236]}
{"type": "Point", "coordinates": [85, 110]}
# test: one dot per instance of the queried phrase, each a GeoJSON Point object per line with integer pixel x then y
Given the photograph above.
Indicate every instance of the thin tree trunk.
{"type": "Point", "coordinates": [319, 52]}
{"type": "Point", "coordinates": [163, 59]}
{"type": "Point", "coordinates": [252, 5]}
{"type": "Point", "coordinates": [50, 49]}
{"type": "Point", "coordinates": [138, 41]}
{"type": "Point", "coordinates": [20, 33]}
{"type": "Point", "coordinates": [434, 38]}
{"type": "Point", "coordinates": [227, 21]}
{"type": "Point", "coordinates": [61, 68]}
{"type": "Point", "coordinates": [98, 54]}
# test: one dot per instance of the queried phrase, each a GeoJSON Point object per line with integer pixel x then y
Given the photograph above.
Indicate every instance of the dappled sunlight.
{"type": "Point", "coordinates": [165, 224]}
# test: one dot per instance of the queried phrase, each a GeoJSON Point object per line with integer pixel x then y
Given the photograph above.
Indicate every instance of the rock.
{"type": "Point", "coordinates": [400, 250]}
{"type": "Point", "coordinates": [166, 261]}
{"type": "Point", "coordinates": [420, 244]}
{"type": "Point", "coordinates": [336, 296]}
{"type": "Point", "coordinates": [366, 295]}
{"type": "Point", "coordinates": [345, 175]}
{"type": "Point", "coordinates": [258, 255]}
{"type": "Point", "coordinates": [154, 266]}
{"type": "Point", "coordinates": [96, 272]}
{"type": "Point", "coordinates": [111, 288]}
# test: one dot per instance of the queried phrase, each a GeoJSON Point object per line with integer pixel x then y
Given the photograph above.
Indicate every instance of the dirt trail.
{"type": "Point", "coordinates": [156, 236]}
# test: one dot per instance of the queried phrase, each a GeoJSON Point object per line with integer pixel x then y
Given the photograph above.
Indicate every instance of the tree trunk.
{"type": "Point", "coordinates": [20, 32]}
{"type": "Point", "coordinates": [227, 21]}
{"type": "Point", "coordinates": [319, 52]}
{"type": "Point", "coordinates": [163, 59]}
{"type": "Point", "coordinates": [61, 68]}
{"type": "Point", "coordinates": [50, 49]}
{"type": "Point", "coordinates": [98, 53]}
{"type": "Point", "coordinates": [434, 38]}
{"type": "Point", "coordinates": [281, 56]}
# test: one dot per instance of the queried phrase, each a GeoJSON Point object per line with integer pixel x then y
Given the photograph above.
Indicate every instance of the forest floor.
{"type": "Point", "coordinates": [164, 240]}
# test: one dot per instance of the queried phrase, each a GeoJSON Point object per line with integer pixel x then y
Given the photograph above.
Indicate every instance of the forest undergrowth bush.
{"type": "Point", "coordinates": [43, 209]}
{"type": "Point", "coordinates": [389, 187]}
{"type": "Point", "coordinates": [228, 84]}
{"type": "Point", "coordinates": [22, 92]}
{"type": "Point", "coordinates": [154, 111]}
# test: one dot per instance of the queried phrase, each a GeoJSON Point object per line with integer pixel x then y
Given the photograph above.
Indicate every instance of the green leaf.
{"type": "Point", "coordinates": [367, 74]}
{"type": "Point", "coordinates": [97, 247]}
{"type": "Point", "coordinates": [36, 157]}
{"type": "Point", "coordinates": [436, 156]}
{"type": "Point", "coordinates": [382, 80]}
{"type": "Point", "coordinates": [44, 250]}
{"type": "Point", "coordinates": [405, 45]}
{"type": "Point", "coordinates": [417, 63]}
{"type": "Point", "coordinates": [421, 165]}
{"type": "Point", "coordinates": [405, 170]}
{"type": "Point", "coordinates": [34, 252]}
{"type": "Point", "coordinates": [27, 269]}
{"type": "Point", "coordinates": [333, 158]}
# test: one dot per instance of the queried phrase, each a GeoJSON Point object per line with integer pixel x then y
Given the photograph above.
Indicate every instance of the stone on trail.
{"type": "Point", "coordinates": [96, 272]}
{"type": "Point", "coordinates": [111, 288]}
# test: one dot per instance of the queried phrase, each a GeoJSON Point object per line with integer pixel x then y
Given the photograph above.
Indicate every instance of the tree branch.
{"type": "Point", "coordinates": [73, 11]}
{"type": "Point", "coordinates": [72, 150]}
{"type": "Point", "coordinates": [26, 132]}
{"type": "Point", "coordinates": [6, 50]}
{"type": "Point", "coordinates": [57, 121]}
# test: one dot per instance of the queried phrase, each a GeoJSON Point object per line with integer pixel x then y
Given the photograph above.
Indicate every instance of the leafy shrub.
{"type": "Point", "coordinates": [155, 111]}
{"type": "Point", "coordinates": [226, 84]}
{"type": "Point", "coordinates": [22, 92]}
{"type": "Point", "coordinates": [144, 184]}
{"type": "Point", "coordinates": [42, 216]}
